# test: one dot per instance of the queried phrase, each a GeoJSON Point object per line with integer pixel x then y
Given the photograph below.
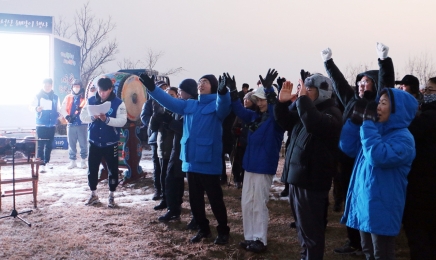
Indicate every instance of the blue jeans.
{"type": "Point", "coordinates": [77, 133]}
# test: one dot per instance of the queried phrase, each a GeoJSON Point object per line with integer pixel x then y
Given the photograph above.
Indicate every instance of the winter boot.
{"type": "Point", "coordinates": [83, 164]}
{"type": "Point", "coordinates": [72, 164]}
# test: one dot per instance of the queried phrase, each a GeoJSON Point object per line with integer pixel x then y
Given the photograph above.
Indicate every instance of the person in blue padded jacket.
{"type": "Point", "coordinates": [378, 137]}
{"type": "Point", "coordinates": [260, 161]}
{"type": "Point", "coordinates": [201, 148]}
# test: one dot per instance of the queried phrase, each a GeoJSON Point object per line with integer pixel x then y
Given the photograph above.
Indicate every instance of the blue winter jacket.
{"type": "Point", "coordinates": [384, 153]}
{"type": "Point", "coordinates": [263, 145]}
{"type": "Point", "coordinates": [202, 129]}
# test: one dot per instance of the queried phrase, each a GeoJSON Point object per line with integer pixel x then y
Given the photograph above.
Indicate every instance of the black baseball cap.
{"type": "Point", "coordinates": [409, 80]}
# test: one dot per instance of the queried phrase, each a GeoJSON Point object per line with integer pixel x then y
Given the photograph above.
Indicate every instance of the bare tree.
{"type": "Point", "coordinates": [62, 29]}
{"type": "Point", "coordinates": [92, 34]}
{"type": "Point", "coordinates": [421, 67]}
{"type": "Point", "coordinates": [129, 64]}
{"type": "Point", "coordinates": [351, 72]}
{"type": "Point", "coordinates": [153, 57]}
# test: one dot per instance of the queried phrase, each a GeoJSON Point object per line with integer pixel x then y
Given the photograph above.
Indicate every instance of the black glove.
{"type": "Point", "coordinates": [147, 81]}
{"type": "Point", "coordinates": [269, 79]}
{"type": "Point", "coordinates": [167, 117]}
{"type": "Point", "coordinates": [68, 118]}
{"type": "Point", "coordinates": [222, 89]}
{"type": "Point", "coordinates": [280, 82]}
{"type": "Point", "coordinates": [231, 84]}
{"type": "Point", "coordinates": [371, 111]}
{"type": "Point", "coordinates": [304, 75]}
{"type": "Point", "coordinates": [359, 110]}
{"type": "Point", "coordinates": [271, 96]}
{"type": "Point", "coordinates": [369, 95]}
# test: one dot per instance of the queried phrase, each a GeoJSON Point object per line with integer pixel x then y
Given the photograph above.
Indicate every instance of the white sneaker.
{"type": "Point", "coordinates": [93, 199]}
{"type": "Point", "coordinates": [42, 169]}
{"type": "Point", "coordinates": [72, 164]}
{"type": "Point", "coordinates": [83, 164]}
{"type": "Point", "coordinates": [111, 202]}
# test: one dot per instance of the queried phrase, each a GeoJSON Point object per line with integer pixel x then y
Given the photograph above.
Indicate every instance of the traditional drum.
{"type": "Point", "coordinates": [133, 93]}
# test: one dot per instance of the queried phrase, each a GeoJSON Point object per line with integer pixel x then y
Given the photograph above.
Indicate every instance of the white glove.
{"type": "Point", "coordinates": [382, 50]}
{"type": "Point", "coordinates": [326, 54]}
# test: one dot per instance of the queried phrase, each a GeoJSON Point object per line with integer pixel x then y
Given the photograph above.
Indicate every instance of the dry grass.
{"type": "Point", "coordinates": [63, 228]}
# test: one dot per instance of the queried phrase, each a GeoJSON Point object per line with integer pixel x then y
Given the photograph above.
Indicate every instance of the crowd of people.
{"type": "Point", "coordinates": [374, 140]}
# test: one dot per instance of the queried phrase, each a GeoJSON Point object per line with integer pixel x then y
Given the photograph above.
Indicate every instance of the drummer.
{"type": "Point", "coordinates": [104, 134]}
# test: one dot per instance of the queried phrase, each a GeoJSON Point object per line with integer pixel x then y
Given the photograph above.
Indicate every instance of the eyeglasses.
{"type": "Point", "coordinates": [427, 89]}
{"type": "Point", "coordinates": [362, 83]}
{"type": "Point", "coordinates": [201, 82]}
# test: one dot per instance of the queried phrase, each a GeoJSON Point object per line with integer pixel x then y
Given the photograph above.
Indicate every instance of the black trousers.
{"type": "Point", "coordinates": [174, 188]}
{"type": "Point", "coordinates": [309, 209]}
{"type": "Point", "coordinates": [45, 147]}
{"type": "Point", "coordinates": [237, 170]}
{"type": "Point", "coordinates": [421, 241]}
{"type": "Point", "coordinates": [110, 155]}
{"type": "Point", "coordinates": [198, 184]}
{"type": "Point", "coordinates": [156, 167]}
{"type": "Point", "coordinates": [160, 184]}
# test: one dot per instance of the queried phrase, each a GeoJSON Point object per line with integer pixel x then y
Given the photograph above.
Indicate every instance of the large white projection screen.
{"type": "Point", "coordinates": [24, 63]}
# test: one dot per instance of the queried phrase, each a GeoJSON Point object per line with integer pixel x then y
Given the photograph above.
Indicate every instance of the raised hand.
{"type": "Point", "coordinates": [326, 54]}
{"type": "Point", "coordinates": [382, 50]}
{"type": "Point", "coordinates": [230, 82]}
{"type": "Point", "coordinates": [302, 91]}
{"type": "Point", "coordinates": [280, 82]}
{"type": "Point", "coordinates": [147, 81]}
{"type": "Point", "coordinates": [371, 111]}
{"type": "Point", "coordinates": [358, 111]}
{"type": "Point", "coordinates": [222, 89]}
{"type": "Point", "coordinates": [285, 94]}
{"type": "Point", "coordinates": [269, 79]}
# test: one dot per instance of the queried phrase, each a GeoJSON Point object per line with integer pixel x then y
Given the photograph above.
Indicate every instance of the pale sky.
{"type": "Point", "coordinates": [247, 37]}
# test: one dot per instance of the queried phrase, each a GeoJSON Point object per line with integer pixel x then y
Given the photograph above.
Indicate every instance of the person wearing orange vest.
{"type": "Point", "coordinates": [77, 131]}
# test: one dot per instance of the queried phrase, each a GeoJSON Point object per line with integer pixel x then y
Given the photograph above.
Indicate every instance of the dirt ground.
{"type": "Point", "coordinates": [64, 228]}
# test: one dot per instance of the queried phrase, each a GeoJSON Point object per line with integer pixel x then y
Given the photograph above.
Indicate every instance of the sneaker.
{"type": "Point", "coordinates": [49, 165]}
{"type": "Point", "coordinates": [169, 216]}
{"type": "Point", "coordinates": [157, 195]}
{"type": "Point", "coordinates": [221, 239]}
{"type": "Point", "coordinates": [244, 244]}
{"type": "Point", "coordinates": [348, 250]}
{"type": "Point", "coordinates": [93, 199]}
{"type": "Point", "coordinates": [161, 205]}
{"type": "Point", "coordinates": [42, 169]}
{"type": "Point", "coordinates": [192, 225]}
{"type": "Point", "coordinates": [83, 164]}
{"type": "Point", "coordinates": [72, 164]}
{"type": "Point", "coordinates": [256, 247]}
{"type": "Point", "coordinates": [111, 202]}
{"type": "Point", "coordinates": [200, 235]}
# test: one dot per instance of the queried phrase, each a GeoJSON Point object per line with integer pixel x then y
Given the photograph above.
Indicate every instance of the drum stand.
{"type": "Point", "coordinates": [14, 212]}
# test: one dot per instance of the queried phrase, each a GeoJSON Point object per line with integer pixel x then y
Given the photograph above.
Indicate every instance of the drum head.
{"type": "Point", "coordinates": [134, 95]}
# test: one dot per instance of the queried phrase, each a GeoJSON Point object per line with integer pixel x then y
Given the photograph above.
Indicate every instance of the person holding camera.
{"type": "Point", "coordinates": [77, 131]}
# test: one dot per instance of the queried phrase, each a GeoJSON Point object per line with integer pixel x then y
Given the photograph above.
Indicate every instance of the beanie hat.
{"type": "Point", "coordinates": [160, 83]}
{"type": "Point", "coordinates": [323, 84]}
{"type": "Point", "coordinates": [260, 92]}
{"type": "Point", "coordinates": [190, 87]}
{"type": "Point", "coordinates": [250, 96]}
{"type": "Point", "coordinates": [213, 82]}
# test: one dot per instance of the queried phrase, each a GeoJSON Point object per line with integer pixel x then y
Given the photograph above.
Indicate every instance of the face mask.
{"type": "Point", "coordinates": [429, 98]}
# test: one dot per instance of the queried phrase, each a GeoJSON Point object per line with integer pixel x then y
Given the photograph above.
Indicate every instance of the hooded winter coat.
{"type": "Point", "coordinates": [201, 144]}
{"type": "Point", "coordinates": [384, 153]}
